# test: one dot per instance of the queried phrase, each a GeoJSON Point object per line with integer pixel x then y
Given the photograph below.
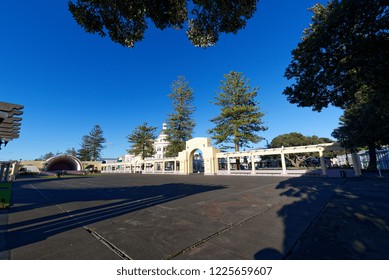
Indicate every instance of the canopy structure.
{"type": "Point", "coordinates": [63, 162]}
{"type": "Point", "coordinates": [9, 122]}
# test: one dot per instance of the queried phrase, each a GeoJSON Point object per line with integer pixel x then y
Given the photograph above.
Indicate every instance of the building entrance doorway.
{"type": "Point", "coordinates": [196, 157]}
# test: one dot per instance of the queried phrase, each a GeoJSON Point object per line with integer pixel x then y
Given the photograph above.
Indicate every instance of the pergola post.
{"type": "Point", "coordinates": [7, 172]}
{"type": "Point", "coordinates": [252, 164]}
{"type": "Point", "coordinates": [15, 168]}
{"type": "Point", "coordinates": [322, 163]}
{"type": "Point", "coordinates": [283, 163]}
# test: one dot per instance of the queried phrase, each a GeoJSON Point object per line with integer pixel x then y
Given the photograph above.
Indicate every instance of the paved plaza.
{"type": "Point", "coordinates": [134, 216]}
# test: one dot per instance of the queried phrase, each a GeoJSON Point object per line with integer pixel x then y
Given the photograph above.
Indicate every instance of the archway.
{"type": "Point", "coordinates": [63, 162]}
{"type": "Point", "coordinates": [208, 153]}
{"type": "Point", "coordinates": [196, 161]}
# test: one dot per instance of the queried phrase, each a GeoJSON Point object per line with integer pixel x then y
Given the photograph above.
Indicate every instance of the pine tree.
{"type": "Point", "coordinates": [180, 124]}
{"type": "Point", "coordinates": [142, 140]}
{"type": "Point", "coordinates": [125, 22]}
{"type": "Point", "coordinates": [92, 144]}
{"type": "Point", "coordinates": [240, 118]}
{"type": "Point", "coordinates": [71, 151]}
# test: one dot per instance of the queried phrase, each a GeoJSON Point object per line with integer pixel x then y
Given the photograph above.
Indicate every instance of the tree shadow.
{"type": "Point", "coordinates": [330, 218]}
{"type": "Point", "coordinates": [106, 202]}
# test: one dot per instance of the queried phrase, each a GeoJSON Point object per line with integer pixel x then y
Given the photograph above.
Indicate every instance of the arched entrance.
{"type": "Point", "coordinates": [197, 160]}
{"type": "Point", "coordinates": [63, 162]}
{"type": "Point", "coordinates": [208, 153]}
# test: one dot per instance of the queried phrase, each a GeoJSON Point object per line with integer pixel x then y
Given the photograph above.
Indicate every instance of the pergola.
{"type": "Point", "coordinates": [9, 122]}
{"type": "Point", "coordinates": [281, 152]}
{"type": "Point", "coordinates": [9, 130]}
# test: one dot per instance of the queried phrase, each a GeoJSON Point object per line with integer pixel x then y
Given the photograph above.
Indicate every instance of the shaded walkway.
{"type": "Point", "coordinates": [353, 225]}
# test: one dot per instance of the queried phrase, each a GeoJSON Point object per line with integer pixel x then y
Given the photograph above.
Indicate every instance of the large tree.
{"type": "Point", "coordinates": [125, 21]}
{"type": "Point", "coordinates": [240, 117]}
{"type": "Point", "coordinates": [297, 139]}
{"type": "Point", "coordinates": [92, 144]}
{"type": "Point", "coordinates": [344, 53]}
{"type": "Point", "coordinates": [346, 46]}
{"type": "Point", "coordinates": [180, 123]}
{"type": "Point", "coordinates": [142, 141]}
{"type": "Point", "coordinates": [365, 123]}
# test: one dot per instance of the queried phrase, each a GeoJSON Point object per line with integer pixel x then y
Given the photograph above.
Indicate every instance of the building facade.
{"type": "Point", "coordinates": [216, 162]}
{"type": "Point", "coordinates": [161, 143]}
{"type": "Point", "coordinates": [130, 163]}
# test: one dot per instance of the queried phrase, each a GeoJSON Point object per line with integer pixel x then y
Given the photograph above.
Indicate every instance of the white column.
{"type": "Point", "coordinates": [323, 163]}
{"type": "Point", "coordinates": [228, 165]}
{"type": "Point", "coordinates": [356, 164]}
{"type": "Point", "coordinates": [252, 164]}
{"type": "Point", "coordinates": [283, 163]}
{"type": "Point", "coordinates": [15, 167]}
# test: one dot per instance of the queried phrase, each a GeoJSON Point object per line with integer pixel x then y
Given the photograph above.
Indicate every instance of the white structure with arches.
{"type": "Point", "coordinates": [224, 163]}
{"type": "Point", "coordinates": [208, 152]}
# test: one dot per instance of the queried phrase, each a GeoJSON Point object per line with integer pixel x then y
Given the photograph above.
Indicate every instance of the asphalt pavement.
{"type": "Point", "coordinates": [134, 216]}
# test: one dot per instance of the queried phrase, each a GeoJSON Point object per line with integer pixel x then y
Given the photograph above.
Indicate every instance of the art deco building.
{"type": "Point", "coordinates": [161, 143]}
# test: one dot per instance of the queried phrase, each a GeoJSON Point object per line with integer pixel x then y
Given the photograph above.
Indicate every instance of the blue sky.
{"type": "Point", "coordinates": [69, 80]}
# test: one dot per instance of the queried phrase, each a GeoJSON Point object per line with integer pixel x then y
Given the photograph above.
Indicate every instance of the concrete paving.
{"type": "Point", "coordinates": [134, 216]}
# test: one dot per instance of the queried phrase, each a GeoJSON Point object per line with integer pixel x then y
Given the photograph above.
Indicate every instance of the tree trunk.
{"type": "Point", "coordinates": [237, 160]}
{"type": "Point", "coordinates": [296, 162]}
{"type": "Point", "coordinates": [372, 157]}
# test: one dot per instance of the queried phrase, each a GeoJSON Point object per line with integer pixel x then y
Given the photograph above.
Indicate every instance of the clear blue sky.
{"type": "Point", "coordinates": [69, 80]}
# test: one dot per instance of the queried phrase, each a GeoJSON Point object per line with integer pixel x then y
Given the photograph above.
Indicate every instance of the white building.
{"type": "Point", "coordinates": [364, 158]}
{"type": "Point", "coordinates": [131, 163]}
{"type": "Point", "coordinates": [161, 143]}
{"type": "Point", "coordinates": [382, 158]}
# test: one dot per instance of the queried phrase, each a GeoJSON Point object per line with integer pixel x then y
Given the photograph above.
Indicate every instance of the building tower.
{"type": "Point", "coordinates": [161, 143]}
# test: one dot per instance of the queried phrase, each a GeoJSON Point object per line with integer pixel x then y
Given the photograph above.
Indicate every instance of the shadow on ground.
{"type": "Point", "coordinates": [113, 201]}
{"type": "Point", "coordinates": [352, 219]}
